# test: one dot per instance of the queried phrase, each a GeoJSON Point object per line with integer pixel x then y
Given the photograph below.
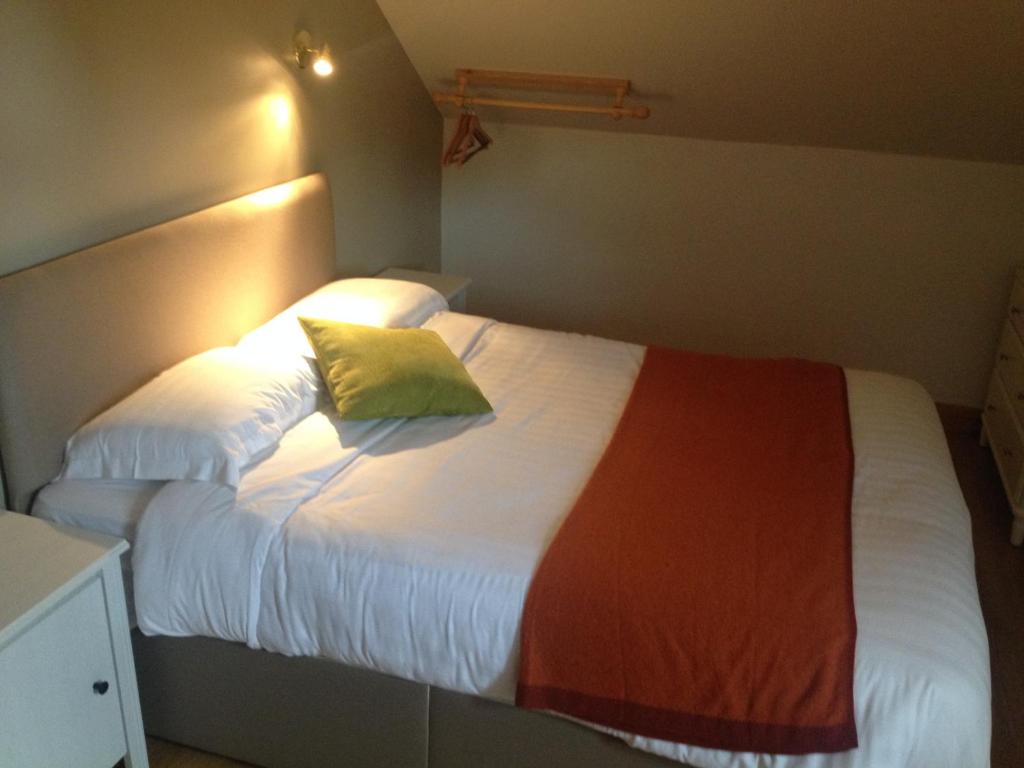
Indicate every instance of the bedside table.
{"type": "Point", "coordinates": [452, 287]}
{"type": "Point", "coordinates": [68, 695]}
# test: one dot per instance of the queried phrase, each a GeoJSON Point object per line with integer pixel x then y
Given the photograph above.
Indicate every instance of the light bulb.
{"type": "Point", "coordinates": [323, 65]}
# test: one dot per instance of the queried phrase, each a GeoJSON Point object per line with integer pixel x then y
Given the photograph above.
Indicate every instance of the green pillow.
{"type": "Point", "coordinates": [379, 373]}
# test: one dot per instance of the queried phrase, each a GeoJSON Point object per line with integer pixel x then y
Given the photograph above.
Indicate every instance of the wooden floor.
{"type": "Point", "coordinates": [163, 754]}
{"type": "Point", "coordinates": [1000, 570]}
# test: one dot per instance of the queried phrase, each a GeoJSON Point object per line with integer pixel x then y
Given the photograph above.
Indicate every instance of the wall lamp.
{"type": "Point", "coordinates": [306, 54]}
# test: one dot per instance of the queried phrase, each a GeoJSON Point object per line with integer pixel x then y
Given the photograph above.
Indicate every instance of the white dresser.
{"type": "Point", "coordinates": [1003, 416]}
{"type": "Point", "coordinates": [68, 696]}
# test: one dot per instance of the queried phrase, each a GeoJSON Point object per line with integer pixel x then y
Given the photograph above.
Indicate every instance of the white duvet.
{"type": "Point", "coordinates": [408, 546]}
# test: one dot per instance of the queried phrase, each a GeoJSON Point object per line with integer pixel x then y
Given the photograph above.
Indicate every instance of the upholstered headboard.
{"type": "Point", "coordinates": [79, 333]}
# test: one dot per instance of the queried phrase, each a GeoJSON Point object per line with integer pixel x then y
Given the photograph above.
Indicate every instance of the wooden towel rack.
{"type": "Point", "coordinates": [618, 89]}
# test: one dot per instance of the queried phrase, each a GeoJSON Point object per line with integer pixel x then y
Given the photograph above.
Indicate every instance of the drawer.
{"type": "Point", "coordinates": [50, 715]}
{"type": "Point", "coordinates": [1016, 311]}
{"type": "Point", "coordinates": [1010, 364]}
{"type": "Point", "coordinates": [1005, 438]}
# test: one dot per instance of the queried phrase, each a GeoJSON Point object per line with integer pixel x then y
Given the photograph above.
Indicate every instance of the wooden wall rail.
{"type": "Point", "coordinates": [613, 87]}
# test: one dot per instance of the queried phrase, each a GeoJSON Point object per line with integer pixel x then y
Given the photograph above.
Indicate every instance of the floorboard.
{"type": "Point", "coordinates": [1000, 570]}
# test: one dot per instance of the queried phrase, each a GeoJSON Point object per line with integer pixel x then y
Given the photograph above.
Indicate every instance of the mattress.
{"type": "Point", "coordinates": [407, 547]}
{"type": "Point", "coordinates": [112, 507]}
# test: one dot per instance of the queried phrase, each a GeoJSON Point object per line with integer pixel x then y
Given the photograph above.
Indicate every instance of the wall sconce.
{"type": "Point", "coordinates": [305, 54]}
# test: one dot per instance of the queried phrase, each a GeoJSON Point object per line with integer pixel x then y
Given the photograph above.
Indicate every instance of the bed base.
{"type": "Point", "coordinates": [289, 712]}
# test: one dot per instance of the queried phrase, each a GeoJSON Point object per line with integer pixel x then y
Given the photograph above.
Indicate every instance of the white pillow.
{"type": "Point", "coordinates": [203, 419]}
{"type": "Point", "coordinates": [363, 300]}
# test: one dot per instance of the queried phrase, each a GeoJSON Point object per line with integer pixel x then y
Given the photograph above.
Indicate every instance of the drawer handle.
{"type": "Point", "coordinates": [991, 407]}
{"type": "Point", "coordinates": [1008, 453]}
{"type": "Point", "coordinates": [1014, 310]}
{"type": "Point", "coordinates": [100, 687]}
{"type": "Point", "coordinates": [1003, 357]}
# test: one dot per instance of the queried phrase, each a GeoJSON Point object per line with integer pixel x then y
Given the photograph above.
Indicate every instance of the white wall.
{"type": "Point", "coordinates": [868, 260]}
{"type": "Point", "coordinates": [118, 114]}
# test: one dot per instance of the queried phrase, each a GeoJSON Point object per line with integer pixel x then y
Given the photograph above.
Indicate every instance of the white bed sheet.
{"type": "Point", "coordinates": [408, 547]}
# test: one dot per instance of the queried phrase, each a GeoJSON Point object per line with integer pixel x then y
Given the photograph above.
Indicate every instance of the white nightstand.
{"type": "Point", "coordinates": [452, 287]}
{"type": "Point", "coordinates": [68, 695]}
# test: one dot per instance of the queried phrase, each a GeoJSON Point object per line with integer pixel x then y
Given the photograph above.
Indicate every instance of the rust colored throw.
{"type": "Point", "coordinates": [701, 590]}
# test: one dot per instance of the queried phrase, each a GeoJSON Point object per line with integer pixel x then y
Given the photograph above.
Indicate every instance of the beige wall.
{"type": "Point", "coordinates": [941, 79]}
{"type": "Point", "coordinates": [117, 114]}
{"type": "Point", "coordinates": [868, 260]}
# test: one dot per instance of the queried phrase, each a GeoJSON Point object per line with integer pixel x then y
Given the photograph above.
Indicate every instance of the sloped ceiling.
{"type": "Point", "coordinates": [922, 77]}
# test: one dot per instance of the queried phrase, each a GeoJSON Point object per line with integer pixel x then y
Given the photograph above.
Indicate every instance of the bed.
{"type": "Point", "coordinates": [277, 678]}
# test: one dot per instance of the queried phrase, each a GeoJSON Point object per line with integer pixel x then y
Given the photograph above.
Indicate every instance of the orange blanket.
{"type": "Point", "coordinates": [701, 590]}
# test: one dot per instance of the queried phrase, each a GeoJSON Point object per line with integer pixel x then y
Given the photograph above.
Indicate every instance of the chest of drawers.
{"type": "Point", "coordinates": [1003, 417]}
{"type": "Point", "coordinates": [68, 696]}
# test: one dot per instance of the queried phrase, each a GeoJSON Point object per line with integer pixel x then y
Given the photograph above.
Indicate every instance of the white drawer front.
{"type": "Point", "coordinates": [1007, 446]}
{"type": "Point", "coordinates": [49, 713]}
{"type": "Point", "coordinates": [1010, 364]}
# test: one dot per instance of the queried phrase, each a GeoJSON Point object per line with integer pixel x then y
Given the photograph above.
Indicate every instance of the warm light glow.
{"type": "Point", "coordinates": [323, 65]}
{"type": "Point", "coordinates": [280, 109]}
{"type": "Point", "coordinates": [271, 196]}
